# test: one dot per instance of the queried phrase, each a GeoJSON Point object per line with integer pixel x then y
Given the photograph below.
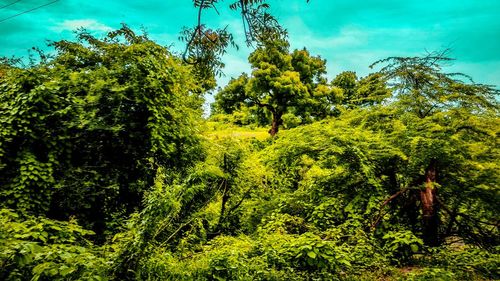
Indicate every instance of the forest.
{"type": "Point", "coordinates": [110, 170]}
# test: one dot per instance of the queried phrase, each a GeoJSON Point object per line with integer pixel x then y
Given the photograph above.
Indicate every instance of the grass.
{"type": "Point", "coordinates": [217, 130]}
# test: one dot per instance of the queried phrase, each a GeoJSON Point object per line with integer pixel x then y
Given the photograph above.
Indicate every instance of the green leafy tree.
{"type": "Point", "coordinates": [369, 90]}
{"type": "Point", "coordinates": [83, 133]}
{"type": "Point", "coordinates": [281, 82]}
{"type": "Point", "coordinates": [436, 123]}
{"type": "Point", "coordinates": [347, 81]}
{"type": "Point", "coordinates": [231, 98]}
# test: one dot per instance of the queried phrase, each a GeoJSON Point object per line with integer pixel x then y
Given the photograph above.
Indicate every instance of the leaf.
{"type": "Point", "coordinates": [217, 267]}
{"type": "Point", "coordinates": [414, 248]}
{"type": "Point", "coordinates": [65, 270]}
{"type": "Point", "coordinates": [311, 254]}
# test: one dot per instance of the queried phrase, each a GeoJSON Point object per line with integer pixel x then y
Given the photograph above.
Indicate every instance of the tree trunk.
{"type": "Point", "coordinates": [276, 123]}
{"type": "Point", "coordinates": [430, 218]}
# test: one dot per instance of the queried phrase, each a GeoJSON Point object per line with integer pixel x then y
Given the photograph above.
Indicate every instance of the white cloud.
{"type": "Point", "coordinates": [90, 24]}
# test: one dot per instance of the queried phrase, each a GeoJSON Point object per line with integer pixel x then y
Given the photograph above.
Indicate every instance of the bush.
{"type": "Point", "coordinates": [83, 133]}
{"type": "Point", "coordinates": [401, 245]}
{"type": "Point", "coordinates": [36, 248]}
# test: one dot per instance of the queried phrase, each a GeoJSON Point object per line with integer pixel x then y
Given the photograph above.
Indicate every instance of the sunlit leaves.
{"type": "Point", "coordinates": [83, 133]}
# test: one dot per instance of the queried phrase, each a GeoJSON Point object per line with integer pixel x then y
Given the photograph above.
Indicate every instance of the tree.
{"type": "Point", "coordinates": [84, 133]}
{"type": "Point", "coordinates": [347, 81]}
{"type": "Point", "coordinates": [281, 82]}
{"type": "Point", "coordinates": [205, 46]}
{"type": "Point", "coordinates": [434, 110]}
{"type": "Point", "coordinates": [231, 98]}
{"type": "Point", "coordinates": [356, 92]}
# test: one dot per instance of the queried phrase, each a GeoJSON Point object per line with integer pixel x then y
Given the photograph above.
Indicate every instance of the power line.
{"type": "Point", "coordinates": [27, 11]}
{"type": "Point", "coordinates": [10, 4]}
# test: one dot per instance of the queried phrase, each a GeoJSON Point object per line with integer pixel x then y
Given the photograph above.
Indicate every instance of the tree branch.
{"type": "Point", "coordinates": [441, 203]}
{"type": "Point", "coordinates": [381, 213]}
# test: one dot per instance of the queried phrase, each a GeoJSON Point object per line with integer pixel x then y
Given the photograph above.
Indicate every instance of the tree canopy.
{"type": "Point", "coordinates": [281, 82]}
{"type": "Point", "coordinates": [84, 133]}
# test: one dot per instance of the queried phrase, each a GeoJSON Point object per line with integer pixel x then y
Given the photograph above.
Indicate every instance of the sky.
{"type": "Point", "coordinates": [350, 35]}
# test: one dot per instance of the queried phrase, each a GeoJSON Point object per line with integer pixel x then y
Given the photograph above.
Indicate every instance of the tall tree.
{"type": "Point", "coordinates": [428, 101]}
{"type": "Point", "coordinates": [368, 90]}
{"type": "Point", "coordinates": [281, 82]}
{"type": "Point", "coordinates": [83, 134]}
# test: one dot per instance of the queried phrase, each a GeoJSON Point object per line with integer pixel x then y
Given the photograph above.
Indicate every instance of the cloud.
{"type": "Point", "coordinates": [90, 24]}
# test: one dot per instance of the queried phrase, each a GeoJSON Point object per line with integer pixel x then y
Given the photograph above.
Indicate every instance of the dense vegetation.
{"type": "Point", "coordinates": [109, 172]}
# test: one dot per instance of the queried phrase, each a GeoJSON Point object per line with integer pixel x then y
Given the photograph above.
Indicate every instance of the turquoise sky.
{"type": "Point", "coordinates": [349, 34]}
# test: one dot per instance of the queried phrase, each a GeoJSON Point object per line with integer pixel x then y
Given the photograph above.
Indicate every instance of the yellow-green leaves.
{"type": "Point", "coordinates": [83, 133]}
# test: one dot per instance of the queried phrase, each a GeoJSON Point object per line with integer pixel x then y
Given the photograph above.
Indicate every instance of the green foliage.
{"type": "Point", "coordinates": [346, 81]}
{"type": "Point", "coordinates": [206, 46]}
{"type": "Point", "coordinates": [82, 134]}
{"type": "Point", "coordinates": [469, 261]}
{"type": "Point", "coordinates": [393, 176]}
{"type": "Point", "coordinates": [289, 86]}
{"type": "Point", "coordinates": [231, 97]}
{"type": "Point", "coordinates": [328, 157]}
{"type": "Point", "coordinates": [183, 213]}
{"type": "Point", "coordinates": [310, 252]}
{"type": "Point", "coordinates": [204, 50]}
{"type": "Point", "coordinates": [355, 92]}
{"type": "Point", "coordinates": [402, 244]}
{"type": "Point", "coordinates": [451, 263]}
{"type": "Point", "coordinates": [422, 88]}
{"type": "Point", "coordinates": [33, 248]}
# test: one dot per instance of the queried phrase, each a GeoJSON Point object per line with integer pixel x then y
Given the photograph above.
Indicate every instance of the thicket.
{"type": "Point", "coordinates": [109, 172]}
